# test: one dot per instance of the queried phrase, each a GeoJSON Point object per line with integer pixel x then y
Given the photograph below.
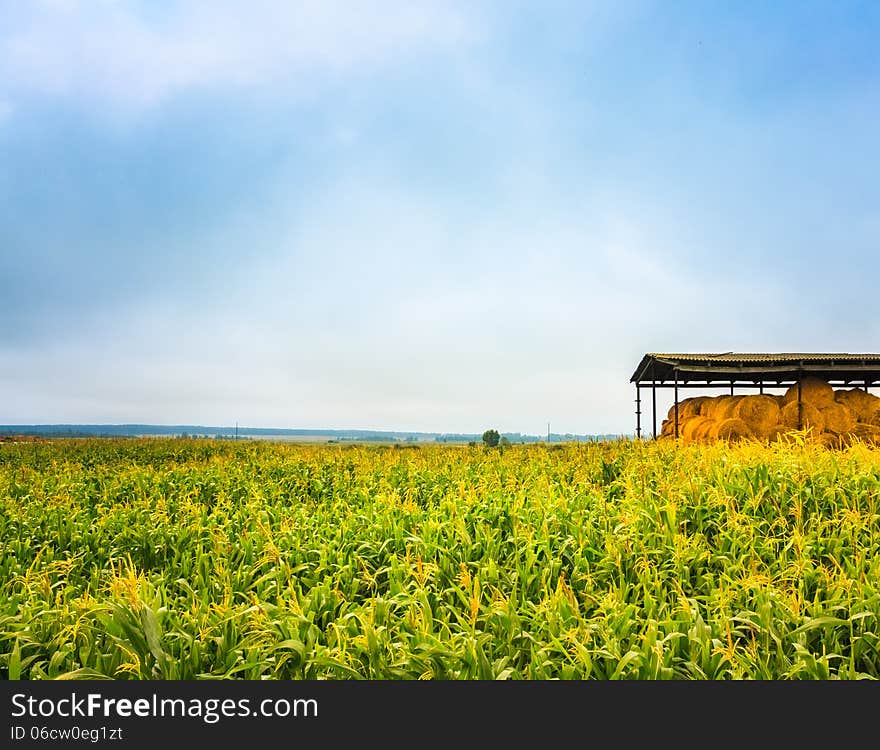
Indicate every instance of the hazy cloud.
{"type": "Point", "coordinates": [131, 55]}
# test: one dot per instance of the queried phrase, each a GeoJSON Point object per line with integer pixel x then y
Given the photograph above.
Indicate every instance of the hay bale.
{"type": "Point", "coordinates": [811, 417]}
{"type": "Point", "coordinates": [694, 406]}
{"type": "Point", "coordinates": [867, 433]}
{"type": "Point", "coordinates": [726, 407]}
{"type": "Point", "coordinates": [837, 418]}
{"type": "Point", "coordinates": [688, 432]}
{"type": "Point", "coordinates": [670, 415]}
{"type": "Point", "coordinates": [870, 409]}
{"type": "Point", "coordinates": [814, 391]}
{"type": "Point", "coordinates": [850, 398]}
{"type": "Point", "coordinates": [859, 402]}
{"type": "Point", "coordinates": [702, 433]}
{"type": "Point", "coordinates": [733, 430]}
{"type": "Point", "coordinates": [688, 408]}
{"type": "Point", "coordinates": [765, 432]}
{"type": "Point", "coordinates": [759, 412]}
{"type": "Point", "coordinates": [712, 407]}
{"type": "Point", "coordinates": [828, 440]}
{"type": "Point", "coordinates": [707, 408]}
{"type": "Point", "coordinates": [667, 429]}
{"type": "Point", "coordinates": [774, 433]}
{"type": "Point", "coordinates": [682, 423]}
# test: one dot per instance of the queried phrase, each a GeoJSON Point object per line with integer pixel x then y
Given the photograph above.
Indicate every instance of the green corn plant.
{"type": "Point", "coordinates": [164, 559]}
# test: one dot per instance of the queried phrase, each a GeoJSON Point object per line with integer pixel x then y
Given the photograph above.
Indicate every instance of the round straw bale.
{"type": "Point", "coordinates": [682, 423]}
{"type": "Point", "coordinates": [707, 408]}
{"type": "Point", "coordinates": [726, 407]}
{"type": "Point", "coordinates": [774, 432]}
{"type": "Point", "coordinates": [813, 391]}
{"type": "Point", "coordinates": [690, 407]}
{"type": "Point", "coordinates": [693, 424]}
{"type": "Point", "coordinates": [811, 417]}
{"type": "Point", "coordinates": [758, 412]}
{"type": "Point", "coordinates": [870, 409]}
{"type": "Point", "coordinates": [703, 430]}
{"type": "Point", "coordinates": [828, 440]}
{"type": "Point", "coordinates": [861, 403]}
{"type": "Point", "coordinates": [867, 433]}
{"type": "Point", "coordinates": [712, 407]}
{"type": "Point", "coordinates": [851, 398]}
{"type": "Point", "coordinates": [694, 405]}
{"type": "Point", "coordinates": [845, 440]}
{"type": "Point", "coordinates": [668, 427]}
{"type": "Point", "coordinates": [733, 429]}
{"type": "Point", "coordinates": [837, 418]}
{"type": "Point", "coordinates": [670, 415]}
{"type": "Point", "coordinates": [764, 432]}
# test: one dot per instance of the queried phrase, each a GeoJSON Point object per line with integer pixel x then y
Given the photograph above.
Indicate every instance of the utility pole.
{"type": "Point", "coordinates": [236, 430]}
{"type": "Point", "coordinates": [548, 432]}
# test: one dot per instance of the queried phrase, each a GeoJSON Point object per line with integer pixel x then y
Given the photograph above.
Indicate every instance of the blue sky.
{"type": "Point", "coordinates": [424, 215]}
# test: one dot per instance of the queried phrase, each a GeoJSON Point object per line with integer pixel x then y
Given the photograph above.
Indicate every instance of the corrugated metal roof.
{"type": "Point", "coordinates": [729, 357]}
{"type": "Point", "coordinates": [840, 366]}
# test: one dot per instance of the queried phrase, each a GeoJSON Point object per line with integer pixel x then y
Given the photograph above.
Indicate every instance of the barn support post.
{"type": "Point", "coordinates": [800, 404]}
{"type": "Point", "coordinates": [731, 387]}
{"type": "Point", "coordinates": [676, 403]}
{"type": "Point", "coordinates": [638, 412]}
{"type": "Point", "coordinates": [654, 405]}
{"type": "Point", "coordinates": [761, 386]}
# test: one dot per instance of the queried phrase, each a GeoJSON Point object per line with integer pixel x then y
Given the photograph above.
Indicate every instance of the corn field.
{"type": "Point", "coordinates": [182, 559]}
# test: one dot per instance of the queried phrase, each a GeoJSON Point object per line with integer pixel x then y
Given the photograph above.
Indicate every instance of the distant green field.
{"type": "Point", "coordinates": [194, 559]}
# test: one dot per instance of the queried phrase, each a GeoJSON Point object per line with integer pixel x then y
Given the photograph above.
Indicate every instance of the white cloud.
{"type": "Point", "coordinates": [393, 319]}
{"type": "Point", "coordinates": [131, 56]}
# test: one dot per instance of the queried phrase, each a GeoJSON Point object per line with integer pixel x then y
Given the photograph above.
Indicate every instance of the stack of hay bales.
{"type": "Point", "coordinates": [832, 418]}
